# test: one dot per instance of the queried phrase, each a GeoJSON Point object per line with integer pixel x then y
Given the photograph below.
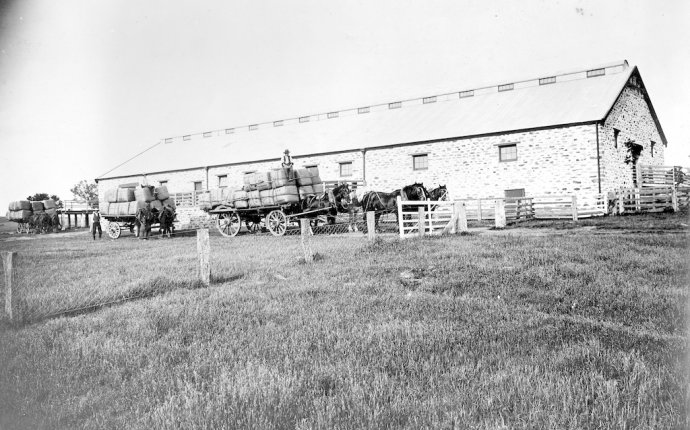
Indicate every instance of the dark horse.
{"type": "Point", "coordinates": [144, 218]}
{"type": "Point", "coordinates": [166, 218]}
{"type": "Point", "coordinates": [347, 202]}
{"type": "Point", "coordinates": [438, 194]}
{"type": "Point", "coordinates": [318, 205]}
{"type": "Point", "coordinates": [381, 203]}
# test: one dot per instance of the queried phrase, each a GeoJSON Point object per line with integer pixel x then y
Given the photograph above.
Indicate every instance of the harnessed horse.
{"type": "Point", "coordinates": [347, 202]}
{"type": "Point", "coordinates": [144, 218]}
{"type": "Point", "coordinates": [438, 194]}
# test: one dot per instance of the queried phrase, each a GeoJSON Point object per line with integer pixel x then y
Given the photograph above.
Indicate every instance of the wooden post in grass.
{"type": "Point", "coordinates": [9, 277]}
{"type": "Point", "coordinates": [500, 213]}
{"type": "Point", "coordinates": [371, 225]}
{"type": "Point", "coordinates": [203, 248]}
{"type": "Point", "coordinates": [574, 208]}
{"type": "Point", "coordinates": [306, 241]}
{"type": "Point", "coordinates": [421, 225]}
{"type": "Point", "coordinates": [479, 209]}
{"type": "Point", "coordinates": [621, 205]}
{"type": "Point", "coordinates": [462, 218]}
{"type": "Point", "coordinates": [674, 199]}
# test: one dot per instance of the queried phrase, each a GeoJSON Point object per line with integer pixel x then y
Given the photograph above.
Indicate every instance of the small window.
{"type": "Point", "coordinates": [198, 186]}
{"type": "Point", "coordinates": [169, 140]}
{"type": "Point", "coordinates": [161, 183]}
{"type": "Point", "coordinates": [515, 193]}
{"type": "Point", "coordinates": [253, 127]}
{"type": "Point", "coordinates": [346, 168]}
{"type": "Point", "coordinates": [616, 132]}
{"type": "Point", "coordinates": [304, 119]}
{"type": "Point", "coordinates": [595, 72]}
{"type": "Point", "coordinates": [222, 181]}
{"type": "Point", "coordinates": [546, 81]}
{"type": "Point", "coordinates": [468, 93]}
{"type": "Point", "coordinates": [229, 130]}
{"type": "Point", "coordinates": [431, 99]}
{"type": "Point", "coordinates": [277, 123]}
{"type": "Point", "coordinates": [363, 110]}
{"type": "Point", "coordinates": [313, 170]}
{"type": "Point", "coordinates": [506, 87]}
{"type": "Point", "coordinates": [187, 137]}
{"type": "Point", "coordinates": [651, 147]}
{"type": "Point", "coordinates": [394, 105]}
{"type": "Point", "coordinates": [420, 162]}
{"type": "Point", "coordinates": [208, 133]}
{"type": "Point", "coordinates": [507, 152]}
{"type": "Point", "coordinates": [332, 115]}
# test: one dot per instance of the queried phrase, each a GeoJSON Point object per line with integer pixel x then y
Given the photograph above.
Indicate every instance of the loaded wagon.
{"type": "Point", "coordinates": [121, 205]}
{"type": "Point", "coordinates": [34, 216]}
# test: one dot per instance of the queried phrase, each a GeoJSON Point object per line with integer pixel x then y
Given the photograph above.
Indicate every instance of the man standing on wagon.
{"type": "Point", "coordinates": [287, 165]}
{"type": "Point", "coordinates": [96, 224]}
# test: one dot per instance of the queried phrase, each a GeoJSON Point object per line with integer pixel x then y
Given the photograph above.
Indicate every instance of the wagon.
{"type": "Point", "coordinates": [273, 218]}
{"type": "Point", "coordinates": [117, 223]}
{"type": "Point", "coordinates": [23, 226]}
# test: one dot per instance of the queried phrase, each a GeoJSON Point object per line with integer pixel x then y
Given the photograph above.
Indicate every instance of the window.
{"type": "Point", "coordinates": [304, 119]}
{"type": "Point", "coordinates": [277, 123]}
{"type": "Point", "coordinates": [507, 152]}
{"type": "Point", "coordinates": [615, 137]}
{"type": "Point", "coordinates": [506, 87]}
{"type": "Point", "coordinates": [468, 93]}
{"type": "Point", "coordinates": [332, 115]}
{"type": "Point", "coordinates": [363, 110]}
{"type": "Point", "coordinates": [595, 72]}
{"type": "Point", "coordinates": [208, 133]}
{"type": "Point", "coordinates": [431, 99]}
{"type": "Point", "coordinates": [546, 81]}
{"type": "Point", "coordinates": [222, 181]}
{"type": "Point", "coordinates": [313, 170]}
{"type": "Point", "coordinates": [161, 183]}
{"type": "Point", "coordinates": [394, 105]}
{"type": "Point", "coordinates": [346, 168]}
{"type": "Point", "coordinates": [187, 137]}
{"type": "Point", "coordinates": [198, 186]}
{"type": "Point", "coordinates": [168, 140]}
{"type": "Point", "coordinates": [515, 193]}
{"type": "Point", "coordinates": [253, 127]}
{"type": "Point", "coordinates": [651, 147]}
{"type": "Point", "coordinates": [420, 162]}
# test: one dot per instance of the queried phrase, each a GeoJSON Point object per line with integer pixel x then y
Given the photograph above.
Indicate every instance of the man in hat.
{"type": "Point", "coordinates": [287, 165]}
{"type": "Point", "coordinates": [96, 221]}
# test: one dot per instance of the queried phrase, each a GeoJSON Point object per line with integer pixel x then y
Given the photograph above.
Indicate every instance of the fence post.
{"type": "Point", "coordinates": [371, 225]}
{"type": "Point", "coordinates": [421, 225]}
{"type": "Point", "coordinates": [203, 248]}
{"type": "Point", "coordinates": [574, 208]}
{"type": "Point", "coordinates": [500, 215]}
{"type": "Point", "coordinates": [456, 213]}
{"type": "Point", "coordinates": [9, 277]}
{"type": "Point", "coordinates": [306, 240]}
{"type": "Point", "coordinates": [517, 209]}
{"type": "Point", "coordinates": [462, 218]}
{"type": "Point", "coordinates": [400, 217]}
{"type": "Point", "coordinates": [479, 209]}
{"type": "Point", "coordinates": [674, 199]}
{"type": "Point", "coordinates": [621, 205]}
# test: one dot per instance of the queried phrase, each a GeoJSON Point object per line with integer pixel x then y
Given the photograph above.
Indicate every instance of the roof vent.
{"type": "Point", "coordinates": [468, 93]}
{"type": "Point", "coordinates": [187, 137]}
{"type": "Point", "coordinates": [431, 99]}
{"type": "Point", "coordinates": [304, 119]}
{"type": "Point", "coordinates": [229, 130]}
{"type": "Point", "coordinates": [332, 115]}
{"type": "Point", "coordinates": [506, 87]}
{"type": "Point", "coordinates": [208, 133]}
{"type": "Point", "coordinates": [169, 140]}
{"type": "Point", "coordinates": [277, 123]}
{"type": "Point", "coordinates": [596, 72]}
{"type": "Point", "coordinates": [394, 105]}
{"type": "Point", "coordinates": [253, 127]}
{"type": "Point", "coordinates": [546, 81]}
{"type": "Point", "coordinates": [363, 110]}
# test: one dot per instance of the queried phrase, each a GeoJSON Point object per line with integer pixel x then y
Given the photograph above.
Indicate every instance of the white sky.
{"type": "Point", "coordinates": [85, 85]}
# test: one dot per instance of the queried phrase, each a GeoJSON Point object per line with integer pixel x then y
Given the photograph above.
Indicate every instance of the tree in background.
{"type": "Point", "coordinates": [85, 191]}
{"type": "Point", "coordinates": [45, 196]}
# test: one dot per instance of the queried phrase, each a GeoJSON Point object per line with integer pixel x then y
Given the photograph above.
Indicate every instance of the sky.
{"type": "Point", "coordinates": [86, 85]}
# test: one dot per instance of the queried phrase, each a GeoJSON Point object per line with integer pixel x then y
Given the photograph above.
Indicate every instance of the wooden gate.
{"type": "Point", "coordinates": [419, 218]}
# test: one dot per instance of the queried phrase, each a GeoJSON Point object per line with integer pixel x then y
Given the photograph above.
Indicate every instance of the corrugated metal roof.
{"type": "Point", "coordinates": [573, 98]}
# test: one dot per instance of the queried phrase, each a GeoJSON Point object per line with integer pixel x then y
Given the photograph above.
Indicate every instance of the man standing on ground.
{"type": "Point", "coordinates": [96, 224]}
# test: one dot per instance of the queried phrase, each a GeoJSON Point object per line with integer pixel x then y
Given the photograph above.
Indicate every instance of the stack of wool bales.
{"type": "Point", "coordinates": [221, 196]}
{"type": "Point", "coordinates": [50, 207]}
{"type": "Point", "coordinates": [240, 199]}
{"type": "Point", "coordinates": [309, 182]}
{"type": "Point", "coordinates": [19, 211]}
{"type": "Point", "coordinates": [128, 198]}
{"type": "Point", "coordinates": [276, 188]}
{"type": "Point", "coordinates": [163, 196]}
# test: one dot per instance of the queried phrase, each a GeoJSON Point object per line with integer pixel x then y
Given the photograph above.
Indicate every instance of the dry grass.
{"type": "Point", "coordinates": [574, 331]}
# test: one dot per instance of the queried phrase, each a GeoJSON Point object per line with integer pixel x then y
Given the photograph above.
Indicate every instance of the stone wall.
{"type": "Point", "coordinates": [632, 117]}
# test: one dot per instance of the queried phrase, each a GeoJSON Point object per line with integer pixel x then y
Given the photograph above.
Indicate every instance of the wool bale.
{"type": "Point", "coordinates": [110, 195]}
{"type": "Point", "coordinates": [204, 200]}
{"type": "Point", "coordinates": [316, 180]}
{"type": "Point", "coordinates": [262, 180]}
{"type": "Point", "coordinates": [144, 194]}
{"type": "Point", "coordinates": [286, 194]}
{"type": "Point", "coordinates": [216, 196]}
{"type": "Point", "coordinates": [132, 207]}
{"type": "Point", "coordinates": [303, 177]}
{"type": "Point", "coordinates": [227, 194]}
{"type": "Point", "coordinates": [240, 195]}
{"type": "Point", "coordinates": [254, 199]}
{"type": "Point", "coordinates": [157, 205]}
{"type": "Point", "coordinates": [37, 206]}
{"type": "Point", "coordinates": [20, 215]}
{"type": "Point", "coordinates": [162, 192]}
{"type": "Point", "coordinates": [125, 195]}
{"type": "Point", "coordinates": [241, 204]}
{"type": "Point", "coordinates": [305, 191]}
{"type": "Point", "coordinates": [318, 189]}
{"type": "Point", "coordinates": [104, 207]}
{"type": "Point", "coordinates": [20, 205]}
{"type": "Point", "coordinates": [141, 205]}
{"type": "Point", "coordinates": [129, 185]}
{"type": "Point", "coordinates": [51, 211]}
{"type": "Point", "coordinates": [170, 203]}
{"type": "Point", "coordinates": [267, 198]}
{"type": "Point", "coordinates": [121, 208]}
{"type": "Point", "coordinates": [49, 204]}
{"type": "Point", "coordinates": [280, 178]}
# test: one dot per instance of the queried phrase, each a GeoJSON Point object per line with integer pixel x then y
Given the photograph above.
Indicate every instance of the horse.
{"type": "Point", "coordinates": [347, 202]}
{"type": "Point", "coordinates": [380, 203]}
{"type": "Point", "coordinates": [166, 218]}
{"type": "Point", "coordinates": [144, 218]}
{"type": "Point", "coordinates": [438, 194]}
{"type": "Point", "coordinates": [317, 203]}
{"type": "Point", "coordinates": [40, 222]}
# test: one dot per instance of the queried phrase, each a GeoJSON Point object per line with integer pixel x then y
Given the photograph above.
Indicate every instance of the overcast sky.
{"type": "Point", "coordinates": [85, 85]}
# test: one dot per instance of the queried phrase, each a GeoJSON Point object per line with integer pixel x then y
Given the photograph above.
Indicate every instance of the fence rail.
{"type": "Point", "coordinates": [651, 199]}
{"type": "Point", "coordinates": [651, 176]}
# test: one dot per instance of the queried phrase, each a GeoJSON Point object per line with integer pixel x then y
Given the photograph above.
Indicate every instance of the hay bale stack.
{"type": "Point", "coordinates": [254, 198]}
{"type": "Point", "coordinates": [161, 193]}
{"type": "Point", "coordinates": [267, 197]}
{"type": "Point", "coordinates": [286, 194]}
{"type": "Point", "coordinates": [20, 215]}
{"type": "Point", "coordinates": [20, 205]}
{"type": "Point", "coordinates": [144, 194]}
{"type": "Point", "coordinates": [125, 195]}
{"type": "Point", "coordinates": [49, 204]}
{"type": "Point", "coordinates": [37, 206]}
{"type": "Point", "coordinates": [240, 199]}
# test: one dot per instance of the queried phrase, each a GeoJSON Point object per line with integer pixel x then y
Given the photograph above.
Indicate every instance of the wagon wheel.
{"type": "Point", "coordinates": [276, 222]}
{"type": "Point", "coordinates": [20, 227]}
{"type": "Point", "coordinates": [228, 224]}
{"type": "Point", "coordinates": [113, 230]}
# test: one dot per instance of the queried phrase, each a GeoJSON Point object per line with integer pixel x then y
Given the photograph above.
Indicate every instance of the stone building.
{"type": "Point", "coordinates": [555, 134]}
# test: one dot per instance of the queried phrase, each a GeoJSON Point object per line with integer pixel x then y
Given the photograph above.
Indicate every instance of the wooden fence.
{"type": "Point", "coordinates": [651, 199]}
{"type": "Point", "coordinates": [654, 176]}
{"type": "Point", "coordinates": [419, 218]}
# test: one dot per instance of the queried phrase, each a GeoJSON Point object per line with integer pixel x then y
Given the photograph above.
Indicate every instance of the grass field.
{"type": "Point", "coordinates": [567, 330]}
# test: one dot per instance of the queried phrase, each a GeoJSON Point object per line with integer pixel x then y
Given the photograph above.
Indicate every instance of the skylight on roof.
{"type": "Point", "coordinates": [394, 105]}
{"type": "Point", "coordinates": [169, 140]}
{"type": "Point", "coordinates": [208, 133]}
{"type": "Point", "coordinates": [187, 137]}
{"type": "Point", "coordinates": [431, 99]}
{"type": "Point", "coordinates": [304, 119]}
{"type": "Point", "coordinates": [253, 127]}
{"type": "Point", "coordinates": [595, 72]}
{"type": "Point", "coordinates": [332, 115]}
{"type": "Point", "coordinates": [363, 110]}
{"type": "Point", "coordinates": [468, 93]}
{"type": "Point", "coordinates": [546, 81]}
{"type": "Point", "coordinates": [506, 87]}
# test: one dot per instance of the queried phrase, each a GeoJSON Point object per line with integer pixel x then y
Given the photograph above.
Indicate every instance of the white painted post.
{"type": "Point", "coordinates": [203, 248]}
{"type": "Point", "coordinates": [421, 225]}
{"type": "Point", "coordinates": [674, 199]}
{"type": "Point", "coordinates": [400, 217]}
{"type": "Point", "coordinates": [500, 213]}
{"type": "Point", "coordinates": [574, 208]}
{"type": "Point", "coordinates": [371, 225]}
{"type": "Point", "coordinates": [456, 212]}
{"type": "Point", "coordinates": [462, 218]}
{"type": "Point", "coordinates": [431, 216]}
{"type": "Point", "coordinates": [306, 241]}
{"type": "Point", "coordinates": [479, 209]}
{"type": "Point", "coordinates": [9, 277]}
{"type": "Point", "coordinates": [621, 205]}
